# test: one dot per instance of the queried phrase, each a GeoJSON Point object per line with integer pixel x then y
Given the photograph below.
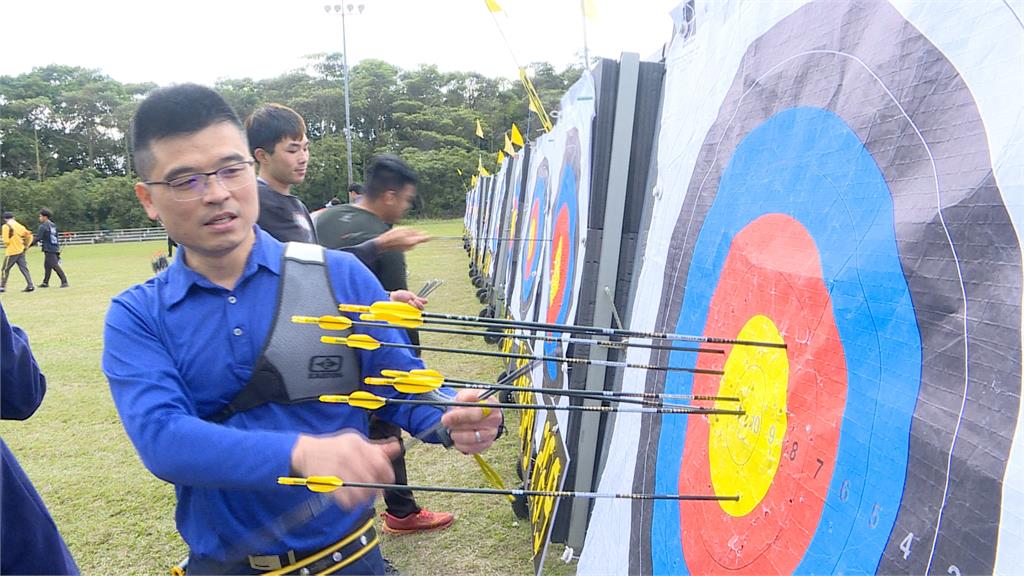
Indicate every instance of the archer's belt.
{"type": "Point", "coordinates": [328, 560]}
{"type": "Point", "coordinates": [334, 557]}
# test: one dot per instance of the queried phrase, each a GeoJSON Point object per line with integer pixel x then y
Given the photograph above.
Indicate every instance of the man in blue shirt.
{"type": "Point", "coordinates": [185, 351]}
{"type": "Point", "coordinates": [29, 540]}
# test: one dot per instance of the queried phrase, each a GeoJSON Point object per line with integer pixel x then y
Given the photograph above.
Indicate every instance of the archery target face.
{"type": "Point", "coordinates": [532, 250]}
{"type": "Point", "coordinates": [843, 203]}
{"type": "Point", "coordinates": [563, 231]}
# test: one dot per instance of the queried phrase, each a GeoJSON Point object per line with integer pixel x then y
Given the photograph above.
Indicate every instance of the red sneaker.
{"type": "Point", "coordinates": [422, 521]}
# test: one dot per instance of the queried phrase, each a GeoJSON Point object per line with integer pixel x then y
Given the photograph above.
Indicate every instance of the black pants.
{"type": "Point", "coordinates": [51, 263]}
{"type": "Point", "coordinates": [399, 503]}
{"type": "Point", "coordinates": [9, 262]}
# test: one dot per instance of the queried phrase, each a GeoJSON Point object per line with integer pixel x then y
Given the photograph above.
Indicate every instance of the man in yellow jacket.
{"type": "Point", "coordinates": [16, 240]}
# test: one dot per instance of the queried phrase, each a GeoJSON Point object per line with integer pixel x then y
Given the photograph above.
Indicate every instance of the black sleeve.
{"type": "Point", "coordinates": [272, 219]}
{"type": "Point", "coordinates": [366, 252]}
{"type": "Point", "coordinates": [390, 271]}
{"type": "Point", "coordinates": [39, 234]}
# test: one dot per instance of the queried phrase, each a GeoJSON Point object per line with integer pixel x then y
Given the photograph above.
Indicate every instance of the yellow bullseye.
{"type": "Point", "coordinates": [744, 452]}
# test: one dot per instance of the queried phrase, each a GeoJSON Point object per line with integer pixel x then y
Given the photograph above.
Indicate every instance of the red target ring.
{"type": "Point", "coordinates": [773, 271]}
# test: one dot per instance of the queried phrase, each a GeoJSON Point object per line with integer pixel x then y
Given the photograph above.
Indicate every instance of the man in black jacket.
{"type": "Point", "coordinates": [389, 192]}
{"type": "Point", "coordinates": [49, 241]}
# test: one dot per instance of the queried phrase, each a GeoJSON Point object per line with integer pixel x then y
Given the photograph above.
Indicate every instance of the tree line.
{"type": "Point", "coordinates": [64, 132]}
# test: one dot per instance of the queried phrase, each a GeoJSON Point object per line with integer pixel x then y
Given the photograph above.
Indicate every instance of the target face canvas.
{"type": "Point", "coordinates": [531, 251]}
{"type": "Point", "coordinates": [564, 234]}
{"type": "Point", "coordinates": [838, 192]}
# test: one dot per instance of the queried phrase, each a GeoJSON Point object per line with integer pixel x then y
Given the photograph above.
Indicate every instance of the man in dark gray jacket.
{"type": "Point", "coordinates": [49, 241]}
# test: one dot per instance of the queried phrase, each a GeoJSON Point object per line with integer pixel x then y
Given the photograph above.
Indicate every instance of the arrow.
{"type": "Point", "coordinates": [421, 382]}
{"type": "Point", "coordinates": [344, 323]}
{"type": "Point", "coordinates": [369, 401]}
{"type": "Point", "coordinates": [322, 484]}
{"type": "Point", "coordinates": [411, 317]}
{"type": "Point", "coordinates": [367, 342]}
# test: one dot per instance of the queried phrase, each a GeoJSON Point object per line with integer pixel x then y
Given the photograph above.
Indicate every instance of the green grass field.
{"type": "Point", "coordinates": [117, 518]}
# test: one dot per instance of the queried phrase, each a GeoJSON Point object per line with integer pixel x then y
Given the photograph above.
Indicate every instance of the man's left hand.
{"type": "Point", "coordinates": [409, 298]}
{"type": "Point", "coordinates": [471, 431]}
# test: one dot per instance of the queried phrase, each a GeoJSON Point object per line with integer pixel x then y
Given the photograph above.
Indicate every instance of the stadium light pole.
{"type": "Point", "coordinates": [352, 9]}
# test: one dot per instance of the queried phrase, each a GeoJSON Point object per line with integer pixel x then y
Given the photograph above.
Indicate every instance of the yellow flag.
{"type": "Point", "coordinates": [480, 167]}
{"type": "Point", "coordinates": [492, 6]}
{"type": "Point", "coordinates": [508, 147]}
{"type": "Point", "coordinates": [589, 10]}
{"type": "Point", "coordinates": [459, 170]}
{"type": "Point", "coordinates": [536, 106]}
{"type": "Point", "coordinates": [517, 137]}
{"type": "Point", "coordinates": [472, 182]}
{"type": "Point", "coordinates": [479, 129]}
{"type": "Point", "coordinates": [501, 157]}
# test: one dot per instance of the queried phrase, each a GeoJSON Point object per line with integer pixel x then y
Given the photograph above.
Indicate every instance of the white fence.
{"type": "Point", "coordinates": [101, 236]}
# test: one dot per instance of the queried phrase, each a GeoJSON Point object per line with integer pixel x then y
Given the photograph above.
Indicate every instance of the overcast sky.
{"type": "Point", "coordinates": [203, 40]}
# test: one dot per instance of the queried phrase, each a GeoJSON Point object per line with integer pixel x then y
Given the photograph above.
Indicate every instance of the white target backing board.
{"type": "Point", "coordinates": [847, 178]}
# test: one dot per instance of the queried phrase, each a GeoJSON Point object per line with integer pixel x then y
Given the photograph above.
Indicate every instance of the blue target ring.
{"type": "Point", "coordinates": [808, 164]}
{"type": "Point", "coordinates": [532, 250]}
{"type": "Point", "coordinates": [564, 239]}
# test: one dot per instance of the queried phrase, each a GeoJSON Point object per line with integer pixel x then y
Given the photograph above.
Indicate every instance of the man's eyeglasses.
{"type": "Point", "coordinates": [193, 186]}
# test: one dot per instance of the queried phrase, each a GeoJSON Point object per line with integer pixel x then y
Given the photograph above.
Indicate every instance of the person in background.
{"type": "Point", "coordinates": [29, 540]}
{"type": "Point", "coordinates": [389, 191]}
{"type": "Point", "coordinates": [49, 242]}
{"type": "Point", "coordinates": [16, 239]}
{"type": "Point", "coordinates": [355, 193]}
{"type": "Point", "coordinates": [316, 213]}
{"type": "Point", "coordinates": [278, 142]}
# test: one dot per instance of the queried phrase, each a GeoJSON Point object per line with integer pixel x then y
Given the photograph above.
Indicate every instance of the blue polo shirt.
{"type": "Point", "coordinates": [178, 348]}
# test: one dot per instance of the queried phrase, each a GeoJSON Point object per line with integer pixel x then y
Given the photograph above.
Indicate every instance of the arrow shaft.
{"type": "Point", "coordinates": [636, 398]}
{"type": "Point", "coordinates": [638, 410]}
{"type": "Point", "coordinates": [541, 493]}
{"type": "Point", "coordinates": [603, 343]}
{"type": "Point", "coordinates": [461, 320]}
{"type": "Point", "coordinates": [585, 361]}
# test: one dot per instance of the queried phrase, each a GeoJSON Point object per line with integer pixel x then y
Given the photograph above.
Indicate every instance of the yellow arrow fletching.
{"type": "Point", "coordinates": [492, 475]}
{"type": "Point", "coordinates": [353, 308]}
{"type": "Point", "coordinates": [414, 386]}
{"type": "Point", "coordinates": [334, 398]}
{"type": "Point", "coordinates": [404, 384]}
{"type": "Point", "coordinates": [427, 380]}
{"type": "Point", "coordinates": [365, 400]}
{"type": "Point", "coordinates": [323, 483]}
{"type": "Point", "coordinates": [393, 319]}
{"type": "Point", "coordinates": [427, 372]}
{"type": "Point", "coordinates": [362, 341]}
{"type": "Point", "coordinates": [401, 310]}
{"type": "Point", "coordinates": [314, 483]}
{"type": "Point", "coordinates": [334, 323]}
{"type": "Point", "coordinates": [325, 322]}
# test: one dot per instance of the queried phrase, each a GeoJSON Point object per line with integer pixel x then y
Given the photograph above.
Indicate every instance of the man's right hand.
{"type": "Point", "coordinates": [400, 239]}
{"type": "Point", "coordinates": [349, 456]}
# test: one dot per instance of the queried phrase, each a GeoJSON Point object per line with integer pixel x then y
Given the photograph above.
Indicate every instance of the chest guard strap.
{"type": "Point", "coordinates": [294, 365]}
